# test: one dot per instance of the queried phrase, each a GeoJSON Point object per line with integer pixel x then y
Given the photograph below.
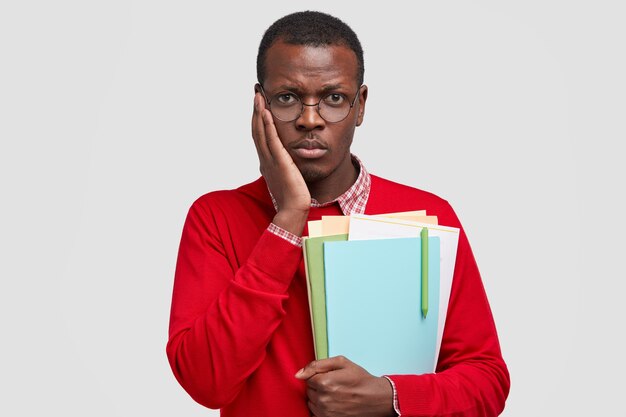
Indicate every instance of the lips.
{"type": "Point", "coordinates": [309, 149]}
{"type": "Point", "coordinates": [309, 144]}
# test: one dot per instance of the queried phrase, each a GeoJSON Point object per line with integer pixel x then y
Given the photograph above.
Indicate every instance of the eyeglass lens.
{"type": "Point", "coordinates": [288, 107]}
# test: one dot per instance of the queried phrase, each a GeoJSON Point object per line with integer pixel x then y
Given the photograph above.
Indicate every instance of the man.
{"type": "Point", "coordinates": [240, 333]}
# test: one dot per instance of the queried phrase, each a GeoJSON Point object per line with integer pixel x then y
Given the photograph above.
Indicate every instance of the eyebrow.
{"type": "Point", "coordinates": [332, 87]}
{"type": "Point", "coordinates": [324, 89]}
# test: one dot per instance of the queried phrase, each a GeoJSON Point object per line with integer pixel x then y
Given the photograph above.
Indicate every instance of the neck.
{"type": "Point", "coordinates": [331, 187]}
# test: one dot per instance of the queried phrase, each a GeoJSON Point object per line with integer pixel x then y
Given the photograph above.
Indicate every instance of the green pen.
{"type": "Point", "coordinates": [424, 240]}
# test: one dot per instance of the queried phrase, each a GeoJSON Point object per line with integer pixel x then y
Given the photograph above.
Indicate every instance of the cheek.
{"type": "Point", "coordinates": [345, 137]}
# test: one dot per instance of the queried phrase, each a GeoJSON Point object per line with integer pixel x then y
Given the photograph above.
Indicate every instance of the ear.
{"type": "Point", "coordinates": [362, 100]}
{"type": "Point", "coordinates": [257, 88]}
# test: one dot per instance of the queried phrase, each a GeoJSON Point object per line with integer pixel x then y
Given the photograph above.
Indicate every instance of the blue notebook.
{"type": "Point", "coordinates": [373, 304]}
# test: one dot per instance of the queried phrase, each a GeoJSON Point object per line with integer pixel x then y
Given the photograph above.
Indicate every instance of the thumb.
{"type": "Point", "coordinates": [321, 366]}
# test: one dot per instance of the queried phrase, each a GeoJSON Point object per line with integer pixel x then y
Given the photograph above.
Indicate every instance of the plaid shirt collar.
{"type": "Point", "coordinates": [354, 200]}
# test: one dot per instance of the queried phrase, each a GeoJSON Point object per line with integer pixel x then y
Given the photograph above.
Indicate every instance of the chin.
{"type": "Point", "coordinates": [312, 174]}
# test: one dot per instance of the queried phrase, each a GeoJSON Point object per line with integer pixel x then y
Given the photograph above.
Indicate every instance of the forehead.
{"type": "Point", "coordinates": [309, 67]}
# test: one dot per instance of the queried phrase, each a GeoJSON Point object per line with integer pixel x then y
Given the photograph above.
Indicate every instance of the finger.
{"type": "Point", "coordinates": [253, 123]}
{"type": "Point", "coordinates": [315, 411]}
{"type": "Point", "coordinates": [274, 144]}
{"type": "Point", "coordinates": [258, 128]}
{"type": "Point", "coordinates": [322, 365]}
{"type": "Point", "coordinates": [320, 383]}
{"type": "Point", "coordinates": [312, 395]}
{"type": "Point", "coordinates": [312, 399]}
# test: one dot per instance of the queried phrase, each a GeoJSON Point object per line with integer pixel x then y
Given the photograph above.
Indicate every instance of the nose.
{"type": "Point", "coordinates": [310, 118]}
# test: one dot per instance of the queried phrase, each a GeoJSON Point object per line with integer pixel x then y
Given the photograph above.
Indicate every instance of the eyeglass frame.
{"type": "Point", "coordinates": [302, 104]}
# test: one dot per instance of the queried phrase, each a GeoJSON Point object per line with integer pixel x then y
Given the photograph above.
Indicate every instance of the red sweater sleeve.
{"type": "Point", "coordinates": [472, 379]}
{"type": "Point", "coordinates": [222, 319]}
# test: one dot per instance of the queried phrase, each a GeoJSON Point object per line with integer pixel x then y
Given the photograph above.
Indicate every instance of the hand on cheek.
{"type": "Point", "coordinates": [280, 172]}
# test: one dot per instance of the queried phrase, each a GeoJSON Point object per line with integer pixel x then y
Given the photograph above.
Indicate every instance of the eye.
{"type": "Point", "coordinates": [335, 99]}
{"type": "Point", "coordinates": [286, 99]}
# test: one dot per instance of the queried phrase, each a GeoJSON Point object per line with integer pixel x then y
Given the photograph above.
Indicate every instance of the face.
{"type": "Point", "coordinates": [320, 149]}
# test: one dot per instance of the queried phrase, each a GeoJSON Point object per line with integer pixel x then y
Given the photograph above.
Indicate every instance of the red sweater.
{"type": "Point", "coordinates": [240, 326]}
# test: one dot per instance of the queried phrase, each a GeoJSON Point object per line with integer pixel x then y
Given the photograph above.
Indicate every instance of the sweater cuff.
{"type": "Point", "coordinates": [396, 408]}
{"type": "Point", "coordinates": [271, 266]}
{"type": "Point", "coordinates": [413, 395]}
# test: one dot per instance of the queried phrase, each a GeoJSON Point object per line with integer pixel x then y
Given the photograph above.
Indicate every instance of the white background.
{"type": "Point", "coordinates": [116, 115]}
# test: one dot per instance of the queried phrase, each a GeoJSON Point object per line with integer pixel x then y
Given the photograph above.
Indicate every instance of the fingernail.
{"type": "Point", "coordinates": [300, 372]}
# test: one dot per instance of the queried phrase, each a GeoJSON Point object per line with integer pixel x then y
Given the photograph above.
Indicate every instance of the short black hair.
{"type": "Point", "coordinates": [309, 28]}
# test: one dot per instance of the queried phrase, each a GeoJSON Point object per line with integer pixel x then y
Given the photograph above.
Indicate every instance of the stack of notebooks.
{"type": "Point", "coordinates": [379, 288]}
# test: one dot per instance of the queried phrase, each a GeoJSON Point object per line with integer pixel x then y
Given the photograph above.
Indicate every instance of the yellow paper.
{"type": "Point", "coordinates": [315, 228]}
{"type": "Point", "coordinates": [335, 225]}
{"type": "Point", "coordinates": [421, 219]}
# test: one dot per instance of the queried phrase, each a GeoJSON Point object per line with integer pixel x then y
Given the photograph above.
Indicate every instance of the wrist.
{"type": "Point", "coordinates": [387, 400]}
{"type": "Point", "coordinates": [292, 221]}
{"type": "Point", "coordinates": [395, 411]}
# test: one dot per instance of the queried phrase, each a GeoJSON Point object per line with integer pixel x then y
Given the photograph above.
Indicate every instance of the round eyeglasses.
{"type": "Point", "coordinates": [287, 106]}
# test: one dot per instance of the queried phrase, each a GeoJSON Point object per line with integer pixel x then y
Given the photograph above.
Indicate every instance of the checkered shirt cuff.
{"type": "Point", "coordinates": [288, 236]}
{"type": "Point", "coordinates": [396, 407]}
